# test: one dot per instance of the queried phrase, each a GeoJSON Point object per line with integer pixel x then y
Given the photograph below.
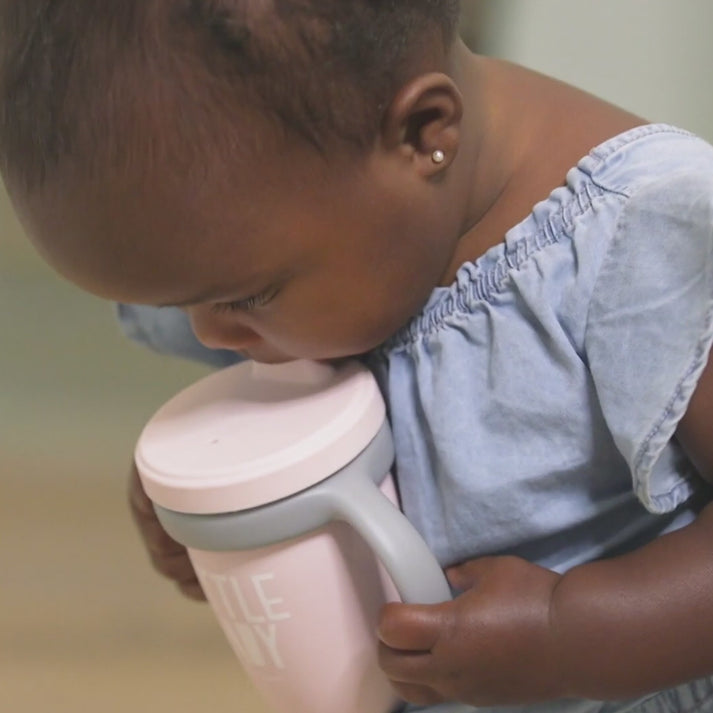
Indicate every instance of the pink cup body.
{"type": "Point", "coordinates": [301, 616]}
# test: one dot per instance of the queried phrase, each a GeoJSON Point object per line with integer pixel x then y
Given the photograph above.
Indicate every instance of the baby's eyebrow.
{"type": "Point", "coordinates": [183, 303]}
{"type": "Point", "coordinates": [248, 286]}
{"type": "Point", "coordinates": [207, 296]}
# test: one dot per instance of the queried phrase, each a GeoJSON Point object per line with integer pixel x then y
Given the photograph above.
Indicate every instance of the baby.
{"type": "Point", "coordinates": [321, 179]}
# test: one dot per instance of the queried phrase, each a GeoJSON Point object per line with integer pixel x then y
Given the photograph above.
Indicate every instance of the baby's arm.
{"type": "Point", "coordinates": [607, 630]}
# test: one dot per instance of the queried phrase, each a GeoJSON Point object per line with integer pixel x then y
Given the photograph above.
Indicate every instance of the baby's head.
{"type": "Point", "coordinates": [269, 164]}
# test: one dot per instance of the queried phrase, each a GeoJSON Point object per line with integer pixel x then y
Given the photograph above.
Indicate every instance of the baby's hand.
{"type": "Point", "coordinates": [168, 556]}
{"type": "Point", "coordinates": [492, 645]}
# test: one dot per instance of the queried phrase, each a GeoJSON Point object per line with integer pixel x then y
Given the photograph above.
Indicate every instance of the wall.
{"type": "Point", "coordinates": [653, 57]}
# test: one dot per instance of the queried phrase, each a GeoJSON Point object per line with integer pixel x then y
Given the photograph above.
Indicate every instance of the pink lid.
{"type": "Point", "coordinates": [255, 433]}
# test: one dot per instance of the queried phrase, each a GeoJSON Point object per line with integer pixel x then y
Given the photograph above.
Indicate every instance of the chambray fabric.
{"type": "Point", "coordinates": [534, 401]}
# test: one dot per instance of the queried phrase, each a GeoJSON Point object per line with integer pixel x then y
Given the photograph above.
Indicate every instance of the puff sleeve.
{"type": "Point", "coordinates": [650, 327]}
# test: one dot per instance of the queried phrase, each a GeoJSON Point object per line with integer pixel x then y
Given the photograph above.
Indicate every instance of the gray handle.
{"type": "Point", "coordinates": [414, 570]}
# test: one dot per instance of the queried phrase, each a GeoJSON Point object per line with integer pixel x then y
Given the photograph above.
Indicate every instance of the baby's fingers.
{"type": "Point", "coordinates": [417, 694]}
{"type": "Point", "coordinates": [407, 633]}
{"type": "Point", "coordinates": [169, 557]}
{"type": "Point", "coordinates": [408, 672]}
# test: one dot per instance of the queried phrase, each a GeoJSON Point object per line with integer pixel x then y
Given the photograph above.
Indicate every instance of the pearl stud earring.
{"type": "Point", "coordinates": [438, 156]}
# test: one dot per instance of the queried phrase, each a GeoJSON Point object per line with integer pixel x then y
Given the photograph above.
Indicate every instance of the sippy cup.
{"type": "Point", "coordinates": [276, 479]}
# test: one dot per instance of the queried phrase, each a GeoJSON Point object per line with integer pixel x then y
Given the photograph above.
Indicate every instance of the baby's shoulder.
{"type": "Point", "coordinates": [663, 179]}
{"type": "Point", "coordinates": [649, 158]}
{"type": "Point", "coordinates": [653, 199]}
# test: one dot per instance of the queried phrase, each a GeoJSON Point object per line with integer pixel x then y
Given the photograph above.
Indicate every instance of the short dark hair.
{"type": "Point", "coordinates": [77, 76]}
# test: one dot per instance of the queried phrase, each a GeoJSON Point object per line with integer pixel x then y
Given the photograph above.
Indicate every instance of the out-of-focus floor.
{"type": "Point", "coordinates": [85, 624]}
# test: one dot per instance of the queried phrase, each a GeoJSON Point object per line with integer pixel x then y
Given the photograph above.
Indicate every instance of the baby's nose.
{"type": "Point", "coordinates": [217, 331]}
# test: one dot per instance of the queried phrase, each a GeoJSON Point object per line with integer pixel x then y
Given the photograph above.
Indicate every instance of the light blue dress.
{"type": "Point", "coordinates": [534, 402]}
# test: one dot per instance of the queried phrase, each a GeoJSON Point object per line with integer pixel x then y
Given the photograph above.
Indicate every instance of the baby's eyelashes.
{"type": "Point", "coordinates": [247, 304]}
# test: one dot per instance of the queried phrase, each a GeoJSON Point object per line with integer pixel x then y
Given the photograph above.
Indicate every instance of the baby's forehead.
{"type": "Point", "coordinates": [104, 236]}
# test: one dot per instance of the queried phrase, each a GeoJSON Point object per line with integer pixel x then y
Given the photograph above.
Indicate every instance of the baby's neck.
{"type": "Point", "coordinates": [522, 132]}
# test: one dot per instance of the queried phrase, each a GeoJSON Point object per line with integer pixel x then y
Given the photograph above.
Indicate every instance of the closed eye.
{"type": "Point", "coordinates": [247, 304]}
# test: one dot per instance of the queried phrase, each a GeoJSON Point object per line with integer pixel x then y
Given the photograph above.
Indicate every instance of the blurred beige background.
{"type": "Point", "coordinates": [84, 623]}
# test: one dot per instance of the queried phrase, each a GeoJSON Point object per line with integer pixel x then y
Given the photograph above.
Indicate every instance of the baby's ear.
{"type": "Point", "coordinates": [423, 122]}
